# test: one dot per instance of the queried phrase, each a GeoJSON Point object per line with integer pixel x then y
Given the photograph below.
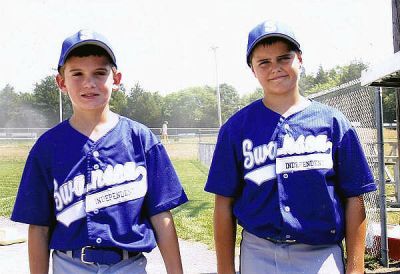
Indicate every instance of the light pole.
{"type": "Point", "coordinates": [214, 48]}
{"type": "Point", "coordinates": [60, 105]}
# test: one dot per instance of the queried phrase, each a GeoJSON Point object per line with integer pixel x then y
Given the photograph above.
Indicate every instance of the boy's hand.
{"type": "Point", "coordinates": [167, 241]}
{"type": "Point", "coordinates": [38, 249]}
{"type": "Point", "coordinates": [355, 234]}
{"type": "Point", "coordinates": [224, 234]}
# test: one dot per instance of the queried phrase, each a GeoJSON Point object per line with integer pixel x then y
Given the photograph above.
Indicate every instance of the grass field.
{"type": "Point", "coordinates": [12, 161]}
{"type": "Point", "coordinates": [193, 220]}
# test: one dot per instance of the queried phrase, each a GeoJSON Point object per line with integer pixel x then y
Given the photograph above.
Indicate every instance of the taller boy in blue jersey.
{"type": "Point", "coordinates": [98, 187]}
{"type": "Point", "coordinates": [290, 171]}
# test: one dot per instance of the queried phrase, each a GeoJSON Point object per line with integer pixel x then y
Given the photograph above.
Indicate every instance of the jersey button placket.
{"type": "Point", "coordinates": [287, 127]}
{"type": "Point", "coordinates": [283, 130]}
{"type": "Point", "coordinates": [90, 166]}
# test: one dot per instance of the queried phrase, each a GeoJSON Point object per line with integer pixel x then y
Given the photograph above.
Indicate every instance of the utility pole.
{"type": "Point", "coordinates": [60, 105]}
{"type": "Point", "coordinates": [214, 48]}
{"type": "Point", "coordinates": [396, 48]}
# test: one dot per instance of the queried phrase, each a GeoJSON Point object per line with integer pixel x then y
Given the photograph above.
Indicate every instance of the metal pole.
{"type": "Point", "coordinates": [214, 48]}
{"type": "Point", "coordinates": [60, 105]}
{"type": "Point", "coordinates": [381, 163]}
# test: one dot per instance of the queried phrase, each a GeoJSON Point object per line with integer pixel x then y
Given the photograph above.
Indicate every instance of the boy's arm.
{"type": "Point", "coordinates": [167, 241]}
{"type": "Point", "coordinates": [38, 249]}
{"type": "Point", "coordinates": [355, 234]}
{"type": "Point", "coordinates": [224, 234]}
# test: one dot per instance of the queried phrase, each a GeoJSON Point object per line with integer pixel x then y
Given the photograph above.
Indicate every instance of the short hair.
{"type": "Point", "coordinates": [272, 40]}
{"type": "Point", "coordinates": [88, 50]}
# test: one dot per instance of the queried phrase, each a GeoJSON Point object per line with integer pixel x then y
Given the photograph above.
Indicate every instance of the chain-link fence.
{"type": "Point", "coordinates": [189, 135]}
{"type": "Point", "coordinates": [357, 103]}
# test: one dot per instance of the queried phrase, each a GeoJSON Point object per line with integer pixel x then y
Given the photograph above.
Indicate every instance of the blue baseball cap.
{"type": "Point", "coordinates": [268, 29]}
{"type": "Point", "coordinates": [85, 37]}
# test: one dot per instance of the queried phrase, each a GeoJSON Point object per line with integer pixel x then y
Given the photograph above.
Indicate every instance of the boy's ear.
{"type": "Point", "coordinates": [117, 76]}
{"type": "Point", "coordinates": [61, 83]}
{"type": "Point", "coordinates": [299, 56]}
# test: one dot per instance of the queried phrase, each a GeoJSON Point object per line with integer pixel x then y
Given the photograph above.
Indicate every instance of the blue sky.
{"type": "Point", "coordinates": [166, 45]}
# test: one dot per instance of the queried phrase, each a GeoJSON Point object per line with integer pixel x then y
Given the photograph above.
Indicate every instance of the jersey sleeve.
{"type": "Point", "coordinates": [354, 175]}
{"type": "Point", "coordinates": [165, 191]}
{"type": "Point", "coordinates": [224, 175]}
{"type": "Point", "coordinates": [33, 202]}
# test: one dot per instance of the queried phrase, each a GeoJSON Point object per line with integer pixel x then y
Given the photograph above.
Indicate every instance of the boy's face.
{"type": "Point", "coordinates": [276, 68]}
{"type": "Point", "coordinates": [88, 81]}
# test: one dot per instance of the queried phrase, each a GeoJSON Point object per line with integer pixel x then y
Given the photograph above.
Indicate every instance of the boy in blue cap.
{"type": "Point", "coordinates": [98, 187]}
{"type": "Point", "coordinates": [290, 171]}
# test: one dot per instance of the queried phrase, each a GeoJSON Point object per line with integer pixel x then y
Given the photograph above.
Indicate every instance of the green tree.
{"type": "Point", "coordinates": [324, 80]}
{"type": "Point", "coordinates": [251, 97]}
{"type": "Point", "coordinates": [389, 105]}
{"type": "Point", "coordinates": [145, 107]}
{"type": "Point", "coordinates": [351, 71]}
{"type": "Point", "coordinates": [46, 100]}
{"type": "Point", "coordinates": [230, 101]}
{"type": "Point", "coordinates": [192, 107]}
{"type": "Point", "coordinates": [321, 77]}
{"type": "Point", "coordinates": [8, 107]}
{"type": "Point", "coordinates": [119, 103]}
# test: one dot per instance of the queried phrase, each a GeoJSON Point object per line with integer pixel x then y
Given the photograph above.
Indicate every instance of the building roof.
{"type": "Point", "coordinates": [383, 74]}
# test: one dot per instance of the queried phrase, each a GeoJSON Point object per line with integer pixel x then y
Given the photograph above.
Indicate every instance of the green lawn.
{"type": "Point", "coordinates": [194, 220]}
{"type": "Point", "coordinates": [10, 174]}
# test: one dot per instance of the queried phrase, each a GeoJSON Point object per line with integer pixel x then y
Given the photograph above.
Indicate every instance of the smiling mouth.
{"type": "Point", "coordinates": [278, 78]}
{"type": "Point", "coordinates": [89, 95]}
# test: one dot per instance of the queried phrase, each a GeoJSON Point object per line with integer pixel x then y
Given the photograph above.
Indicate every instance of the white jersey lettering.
{"type": "Point", "coordinates": [113, 175]}
{"type": "Point", "coordinates": [317, 148]}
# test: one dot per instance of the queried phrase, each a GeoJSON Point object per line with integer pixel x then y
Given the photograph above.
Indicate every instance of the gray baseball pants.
{"type": "Point", "coordinates": [258, 256]}
{"type": "Point", "coordinates": [63, 264]}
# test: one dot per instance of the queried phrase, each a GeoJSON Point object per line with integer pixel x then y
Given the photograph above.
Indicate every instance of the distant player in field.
{"type": "Point", "coordinates": [290, 171]}
{"type": "Point", "coordinates": [98, 187]}
{"type": "Point", "coordinates": [164, 132]}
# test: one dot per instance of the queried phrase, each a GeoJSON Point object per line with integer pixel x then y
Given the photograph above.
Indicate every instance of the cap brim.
{"type": "Point", "coordinates": [89, 42]}
{"type": "Point", "coordinates": [270, 35]}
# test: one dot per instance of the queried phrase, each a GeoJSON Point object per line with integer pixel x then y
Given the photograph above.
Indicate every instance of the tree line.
{"type": "Point", "coordinates": [191, 107]}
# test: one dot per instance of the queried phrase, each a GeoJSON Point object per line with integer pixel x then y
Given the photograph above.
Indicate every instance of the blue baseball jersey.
{"type": "Point", "coordinates": [289, 176]}
{"type": "Point", "coordinates": [98, 193]}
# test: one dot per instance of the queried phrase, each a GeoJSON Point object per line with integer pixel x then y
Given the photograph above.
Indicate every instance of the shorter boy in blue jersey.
{"type": "Point", "coordinates": [97, 188]}
{"type": "Point", "coordinates": [290, 171]}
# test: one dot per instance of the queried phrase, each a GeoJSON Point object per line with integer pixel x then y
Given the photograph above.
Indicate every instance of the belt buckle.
{"type": "Point", "coordinates": [83, 255]}
{"type": "Point", "coordinates": [277, 241]}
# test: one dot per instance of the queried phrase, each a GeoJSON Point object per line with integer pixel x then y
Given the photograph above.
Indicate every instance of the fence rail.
{"type": "Point", "coordinates": [191, 135]}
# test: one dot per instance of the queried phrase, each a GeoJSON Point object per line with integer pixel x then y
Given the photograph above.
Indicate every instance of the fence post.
{"type": "Point", "coordinates": [396, 179]}
{"type": "Point", "coordinates": [381, 163]}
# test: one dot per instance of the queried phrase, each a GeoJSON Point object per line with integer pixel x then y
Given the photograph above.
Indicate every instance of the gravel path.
{"type": "Point", "coordinates": [196, 258]}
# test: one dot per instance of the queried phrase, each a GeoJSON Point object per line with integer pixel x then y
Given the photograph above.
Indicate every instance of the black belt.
{"type": "Point", "coordinates": [278, 241]}
{"type": "Point", "coordinates": [92, 255]}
